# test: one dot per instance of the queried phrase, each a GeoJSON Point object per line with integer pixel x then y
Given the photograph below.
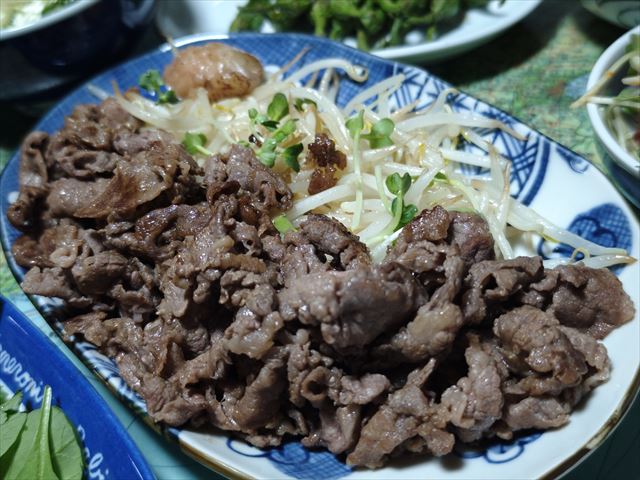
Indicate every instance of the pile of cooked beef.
{"type": "Point", "coordinates": [177, 273]}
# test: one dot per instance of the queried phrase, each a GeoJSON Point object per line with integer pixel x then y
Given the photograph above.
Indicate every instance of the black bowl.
{"type": "Point", "coordinates": [39, 60]}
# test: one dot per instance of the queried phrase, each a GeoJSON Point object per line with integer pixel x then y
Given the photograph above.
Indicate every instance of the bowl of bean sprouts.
{"type": "Point", "coordinates": [613, 101]}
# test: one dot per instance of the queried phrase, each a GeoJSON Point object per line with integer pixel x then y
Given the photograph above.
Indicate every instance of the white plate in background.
{"type": "Point", "coordinates": [179, 18]}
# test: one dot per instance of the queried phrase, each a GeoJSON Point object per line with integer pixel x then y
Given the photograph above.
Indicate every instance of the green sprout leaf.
{"type": "Point", "coordinates": [267, 153]}
{"type": "Point", "coordinates": [194, 143]}
{"type": "Point", "coordinates": [151, 81]}
{"type": "Point", "coordinates": [299, 103]}
{"type": "Point", "coordinates": [398, 185]}
{"type": "Point", "coordinates": [270, 125]}
{"type": "Point", "coordinates": [278, 108]}
{"type": "Point", "coordinates": [408, 212]}
{"type": "Point", "coordinates": [285, 130]}
{"type": "Point", "coordinates": [290, 156]}
{"type": "Point", "coordinates": [380, 135]}
{"type": "Point", "coordinates": [355, 124]}
{"type": "Point", "coordinates": [282, 224]}
{"type": "Point", "coordinates": [168, 96]}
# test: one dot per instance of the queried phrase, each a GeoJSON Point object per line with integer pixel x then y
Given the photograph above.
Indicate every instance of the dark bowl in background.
{"type": "Point", "coordinates": [39, 61]}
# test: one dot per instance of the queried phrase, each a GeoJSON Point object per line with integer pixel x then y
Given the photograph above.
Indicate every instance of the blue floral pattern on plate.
{"type": "Point", "coordinates": [532, 159]}
{"type": "Point", "coordinates": [606, 225]}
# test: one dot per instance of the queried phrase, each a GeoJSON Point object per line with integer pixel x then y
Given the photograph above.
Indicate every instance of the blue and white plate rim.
{"type": "Point", "coordinates": [104, 368]}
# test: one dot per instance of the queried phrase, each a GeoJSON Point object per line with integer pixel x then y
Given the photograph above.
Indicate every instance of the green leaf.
{"type": "Point", "coordinates": [405, 183]}
{"type": "Point", "coordinates": [383, 127]}
{"type": "Point", "coordinates": [378, 142]}
{"type": "Point", "coordinates": [379, 136]}
{"type": "Point", "coordinates": [285, 130]}
{"type": "Point", "coordinates": [408, 212]}
{"type": "Point", "coordinates": [441, 176]}
{"type": "Point", "coordinates": [282, 224]}
{"type": "Point", "coordinates": [267, 153]}
{"type": "Point", "coordinates": [38, 463]}
{"type": "Point", "coordinates": [66, 452]}
{"type": "Point", "coordinates": [355, 124]}
{"type": "Point", "coordinates": [290, 156]}
{"type": "Point", "coordinates": [253, 113]}
{"type": "Point", "coordinates": [168, 96]}
{"type": "Point", "coordinates": [278, 108]}
{"type": "Point", "coordinates": [394, 183]}
{"type": "Point", "coordinates": [11, 430]}
{"type": "Point", "coordinates": [301, 102]}
{"type": "Point", "coordinates": [10, 407]}
{"type": "Point", "coordinates": [151, 81]}
{"type": "Point", "coordinates": [194, 143]}
{"type": "Point", "coordinates": [395, 204]}
{"type": "Point", "coordinates": [13, 461]}
{"type": "Point", "coordinates": [270, 125]}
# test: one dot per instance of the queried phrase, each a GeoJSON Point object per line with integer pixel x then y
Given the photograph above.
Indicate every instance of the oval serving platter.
{"type": "Point", "coordinates": [553, 180]}
{"type": "Point", "coordinates": [29, 361]}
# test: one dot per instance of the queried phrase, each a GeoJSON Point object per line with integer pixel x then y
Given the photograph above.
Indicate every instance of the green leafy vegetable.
{"type": "Point", "coordinates": [39, 464]}
{"type": "Point", "coordinates": [194, 143]}
{"type": "Point", "coordinates": [10, 406]}
{"type": "Point", "coordinates": [282, 224]}
{"type": "Point", "coordinates": [10, 431]}
{"type": "Point", "coordinates": [65, 450]}
{"type": "Point", "coordinates": [41, 444]}
{"type": "Point", "coordinates": [374, 23]}
{"type": "Point", "coordinates": [152, 82]}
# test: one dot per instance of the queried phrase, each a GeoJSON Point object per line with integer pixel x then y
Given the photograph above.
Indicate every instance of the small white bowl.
{"type": "Point", "coordinates": [618, 153]}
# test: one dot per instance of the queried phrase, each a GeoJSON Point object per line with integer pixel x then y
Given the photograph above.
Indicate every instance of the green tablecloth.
{"type": "Point", "coordinates": [533, 71]}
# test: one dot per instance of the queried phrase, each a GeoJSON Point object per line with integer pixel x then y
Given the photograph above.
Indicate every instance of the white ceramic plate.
{"type": "Point", "coordinates": [545, 175]}
{"type": "Point", "coordinates": [478, 26]}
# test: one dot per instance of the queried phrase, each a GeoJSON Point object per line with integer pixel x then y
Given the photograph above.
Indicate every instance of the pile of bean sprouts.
{"type": "Point", "coordinates": [426, 144]}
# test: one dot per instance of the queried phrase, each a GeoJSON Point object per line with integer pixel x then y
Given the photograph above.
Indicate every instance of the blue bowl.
{"type": "Point", "coordinates": [39, 59]}
{"type": "Point", "coordinates": [29, 361]}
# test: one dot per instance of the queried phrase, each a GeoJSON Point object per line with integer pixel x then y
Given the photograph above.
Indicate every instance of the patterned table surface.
{"type": "Point", "coordinates": [533, 71]}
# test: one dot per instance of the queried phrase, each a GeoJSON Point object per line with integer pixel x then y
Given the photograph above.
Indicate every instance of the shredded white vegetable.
{"type": "Point", "coordinates": [425, 146]}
